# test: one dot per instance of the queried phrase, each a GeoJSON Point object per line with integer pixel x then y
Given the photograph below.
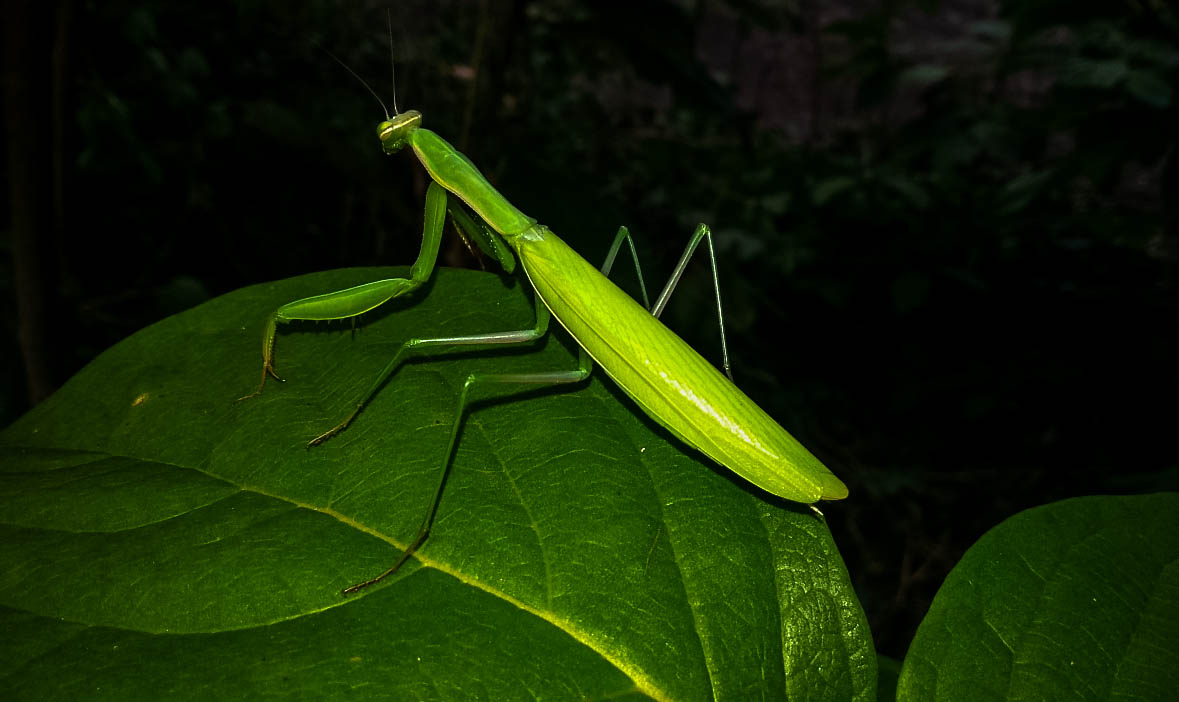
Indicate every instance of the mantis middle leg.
{"type": "Point", "coordinates": [473, 380]}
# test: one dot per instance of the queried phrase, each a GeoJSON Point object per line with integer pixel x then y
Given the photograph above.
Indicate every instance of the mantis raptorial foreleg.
{"type": "Point", "coordinates": [355, 301]}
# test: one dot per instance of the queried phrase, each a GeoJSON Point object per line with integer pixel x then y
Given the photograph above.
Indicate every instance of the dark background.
{"type": "Point", "coordinates": [947, 230]}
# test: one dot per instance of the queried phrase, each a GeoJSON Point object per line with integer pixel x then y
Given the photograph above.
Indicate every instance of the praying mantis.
{"type": "Point", "coordinates": [666, 378]}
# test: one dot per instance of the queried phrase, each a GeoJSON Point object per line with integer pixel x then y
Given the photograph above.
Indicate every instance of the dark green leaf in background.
{"type": "Point", "coordinates": [162, 541]}
{"type": "Point", "coordinates": [1076, 600]}
{"type": "Point", "coordinates": [1149, 88]}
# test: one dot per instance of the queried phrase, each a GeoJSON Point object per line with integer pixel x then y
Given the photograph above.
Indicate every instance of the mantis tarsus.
{"type": "Point", "coordinates": [672, 383]}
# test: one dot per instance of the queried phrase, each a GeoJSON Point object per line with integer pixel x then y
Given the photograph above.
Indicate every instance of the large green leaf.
{"type": "Point", "coordinates": [161, 540]}
{"type": "Point", "coordinates": [1077, 600]}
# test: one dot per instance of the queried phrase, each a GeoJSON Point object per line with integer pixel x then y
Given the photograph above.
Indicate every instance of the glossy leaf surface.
{"type": "Point", "coordinates": [161, 540]}
{"type": "Point", "coordinates": [1075, 600]}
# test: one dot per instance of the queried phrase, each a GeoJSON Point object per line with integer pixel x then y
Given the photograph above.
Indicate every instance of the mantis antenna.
{"type": "Point", "coordinates": [362, 81]}
{"type": "Point", "coordinates": [392, 61]}
{"type": "Point", "coordinates": [392, 69]}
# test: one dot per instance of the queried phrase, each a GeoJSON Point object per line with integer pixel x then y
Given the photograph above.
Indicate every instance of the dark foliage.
{"type": "Point", "coordinates": [948, 230]}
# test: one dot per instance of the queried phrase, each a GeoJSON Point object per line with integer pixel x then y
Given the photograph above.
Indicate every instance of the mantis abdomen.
{"type": "Point", "coordinates": [673, 384]}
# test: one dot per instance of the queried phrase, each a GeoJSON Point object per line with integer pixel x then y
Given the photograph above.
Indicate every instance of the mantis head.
{"type": "Point", "coordinates": [394, 132]}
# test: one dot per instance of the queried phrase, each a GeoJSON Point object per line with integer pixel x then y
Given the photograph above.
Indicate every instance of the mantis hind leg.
{"type": "Point", "coordinates": [702, 233]}
{"type": "Point", "coordinates": [473, 380]}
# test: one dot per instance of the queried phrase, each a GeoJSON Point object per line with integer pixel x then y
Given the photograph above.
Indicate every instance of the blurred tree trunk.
{"type": "Point", "coordinates": [490, 49]}
{"type": "Point", "coordinates": [35, 65]}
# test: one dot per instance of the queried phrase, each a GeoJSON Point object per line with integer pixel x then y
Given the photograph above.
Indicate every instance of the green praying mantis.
{"type": "Point", "coordinates": [666, 378]}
